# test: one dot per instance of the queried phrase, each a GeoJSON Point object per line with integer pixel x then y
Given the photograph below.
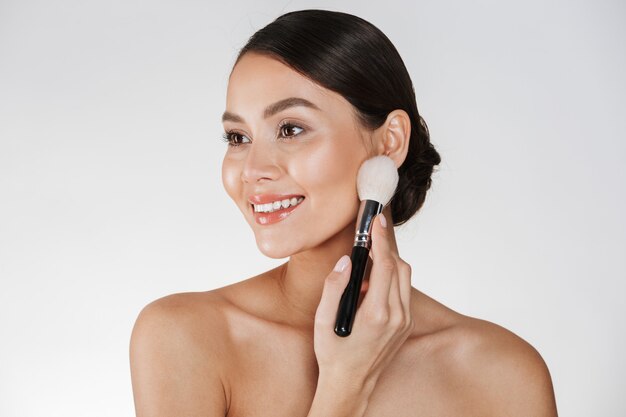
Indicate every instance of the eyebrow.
{"type": "Point", "coordinates": [272, 109]}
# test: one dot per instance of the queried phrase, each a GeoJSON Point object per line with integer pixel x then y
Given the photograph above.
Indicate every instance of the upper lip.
{"type": "Point", "coordinates": [270, 198]}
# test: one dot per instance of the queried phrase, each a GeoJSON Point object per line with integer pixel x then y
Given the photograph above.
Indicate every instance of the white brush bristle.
{"type": "Point", "coordinates": [377, 179]}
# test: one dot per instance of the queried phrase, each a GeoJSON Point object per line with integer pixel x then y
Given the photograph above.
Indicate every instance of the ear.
{"type": "Point", "coordinates": [392, 138]}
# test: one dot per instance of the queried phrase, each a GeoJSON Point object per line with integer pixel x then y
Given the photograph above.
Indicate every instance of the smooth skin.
{"type": "Point", "coordinates": [265, 346]}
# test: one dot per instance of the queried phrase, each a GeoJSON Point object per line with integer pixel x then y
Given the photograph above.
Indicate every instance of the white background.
{"type": "Point", "coordinates": [111, 197]}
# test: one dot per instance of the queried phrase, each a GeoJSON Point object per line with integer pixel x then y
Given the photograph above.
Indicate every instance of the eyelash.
{"type": "Point", "coordinates": [228, 135]}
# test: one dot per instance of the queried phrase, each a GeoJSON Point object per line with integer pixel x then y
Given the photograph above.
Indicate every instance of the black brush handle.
{"type": "Point", "coordinates": [350, 296]}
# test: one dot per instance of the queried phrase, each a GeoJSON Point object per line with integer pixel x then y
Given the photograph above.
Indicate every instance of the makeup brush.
{"type": "Point", "coordinates": [376, 183]}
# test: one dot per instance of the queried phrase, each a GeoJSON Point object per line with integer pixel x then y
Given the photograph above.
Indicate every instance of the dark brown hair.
{"type": "Point", "coordinates": [352, 57]}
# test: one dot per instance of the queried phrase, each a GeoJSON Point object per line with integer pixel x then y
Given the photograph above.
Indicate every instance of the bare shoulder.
{"type": "Point", "coordinates": [506, 375]}
{"type": "Point", "coordinates": [177, 351]}
{"type": "Point", "coordinates": [200, 322]}
{"type": "Point", "coordinates": [183, 309]}
{"type": "Point", "coordinates": [475, 366]}
{"type": "Point", "coordinates": [189, 319]}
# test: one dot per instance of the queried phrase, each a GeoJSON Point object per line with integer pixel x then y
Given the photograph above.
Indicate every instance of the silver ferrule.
{"type": "Point", "coordinates": [367, 211]}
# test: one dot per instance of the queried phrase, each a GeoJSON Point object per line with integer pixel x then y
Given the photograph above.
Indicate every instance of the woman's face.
{"type": "Point", "coordinates": [290, 152]}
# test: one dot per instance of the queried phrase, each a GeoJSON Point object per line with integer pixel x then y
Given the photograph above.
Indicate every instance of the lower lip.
{"type": "Point", "coordinates": [265, 219]}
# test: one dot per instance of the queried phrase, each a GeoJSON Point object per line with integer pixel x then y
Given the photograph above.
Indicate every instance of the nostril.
{"type": "Point", "coordinates": [251, 177]}
{"type": "Point", "coordinates": [258, 168]}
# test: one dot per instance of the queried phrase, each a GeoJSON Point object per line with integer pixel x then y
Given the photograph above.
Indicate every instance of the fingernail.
{"type": "Point", "coordinates": [383, 220]}
{"type": "Point", "coordinates": [342, 263]}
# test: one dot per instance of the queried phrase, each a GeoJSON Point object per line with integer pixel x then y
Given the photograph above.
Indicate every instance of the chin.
{"type": "Point", "coordinates": [274, 251]}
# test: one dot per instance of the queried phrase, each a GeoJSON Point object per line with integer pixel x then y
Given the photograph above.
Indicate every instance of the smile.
{"type": "Point", "coordinates": [277, 205]}
{"type": "Point", "coordinates": [276, 211]}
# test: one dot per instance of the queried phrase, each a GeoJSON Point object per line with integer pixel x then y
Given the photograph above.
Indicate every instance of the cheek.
{"type": "Point", "coordinates": [231, 177]}
{"type": "Point", "coordinates": [328, 174]}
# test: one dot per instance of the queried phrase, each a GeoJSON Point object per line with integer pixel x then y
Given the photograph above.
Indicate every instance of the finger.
{"type": "Point", "coordinates": [404, 280]}
{"type": "Point", "coordinates": [392, 231]}
{"type": "Point", "coordinates": [390, 245]}
{"type": "Point", "coordinates": [396, 305]}
{"type": "Point", "coordinates": [383, 266]}
{"type": "Point", "coordinates": [334, 286]}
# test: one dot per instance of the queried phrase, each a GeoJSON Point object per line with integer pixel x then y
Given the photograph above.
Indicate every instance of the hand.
{"type": "Point", "coordinates": [382, 322]}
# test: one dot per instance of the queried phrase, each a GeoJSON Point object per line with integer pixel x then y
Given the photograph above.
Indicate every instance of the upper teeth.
{"type": "Point", "coordinates": [277, 205]}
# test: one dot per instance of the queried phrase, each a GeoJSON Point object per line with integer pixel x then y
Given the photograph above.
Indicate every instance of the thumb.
{"type": "Point", "coordinates": [334, 286]}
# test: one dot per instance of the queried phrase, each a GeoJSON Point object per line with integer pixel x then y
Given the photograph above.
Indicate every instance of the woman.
{"type": "Point", "coordinates": [311, 96]}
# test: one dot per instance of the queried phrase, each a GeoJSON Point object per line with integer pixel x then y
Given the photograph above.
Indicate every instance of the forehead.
{"type": "Point", "coordinates": [258, 80]}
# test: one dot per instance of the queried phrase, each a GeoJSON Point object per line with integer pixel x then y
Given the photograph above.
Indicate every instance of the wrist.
{"type": "Point", "coordinates": [347, 382]}
{"type": "Point", "coordinates": [341, 395]}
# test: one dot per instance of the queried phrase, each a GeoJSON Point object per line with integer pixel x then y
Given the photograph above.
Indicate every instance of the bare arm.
{"type": "Point", "coordinates": [172, 375]}
{"type": "Point", "coordinates": [521, 385]}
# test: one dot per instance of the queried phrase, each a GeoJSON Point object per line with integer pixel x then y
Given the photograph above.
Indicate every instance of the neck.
{"type": "Point", "coordinates": [301, 279]}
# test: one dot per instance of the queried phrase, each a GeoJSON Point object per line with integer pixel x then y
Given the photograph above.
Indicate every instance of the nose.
{"type": "Point", "coordinates": [260, 163]}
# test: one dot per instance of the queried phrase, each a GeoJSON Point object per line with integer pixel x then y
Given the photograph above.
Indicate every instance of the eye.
{"type": "Point", "coordinates": [233, 138]}
{"type": "Point", "coordinates": [287, 130]}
